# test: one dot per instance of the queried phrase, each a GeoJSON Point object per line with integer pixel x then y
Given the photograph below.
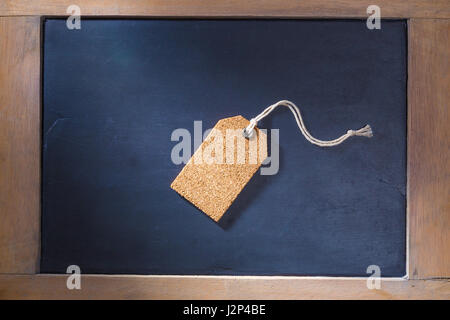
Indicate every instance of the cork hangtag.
{"type": "Point", "coordinates": [221, 167]}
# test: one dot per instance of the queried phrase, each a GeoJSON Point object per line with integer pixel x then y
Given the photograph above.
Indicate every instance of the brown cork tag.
{"type": "Point", "coordinates": [221, 167]}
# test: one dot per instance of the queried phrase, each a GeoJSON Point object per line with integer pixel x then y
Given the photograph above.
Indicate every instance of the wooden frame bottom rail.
{"type": "Point", "coordinates": [217, 287]}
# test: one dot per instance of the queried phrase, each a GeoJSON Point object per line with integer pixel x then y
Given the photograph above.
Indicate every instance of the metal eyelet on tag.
{"type": "Point", "coordinates": [247, 135]}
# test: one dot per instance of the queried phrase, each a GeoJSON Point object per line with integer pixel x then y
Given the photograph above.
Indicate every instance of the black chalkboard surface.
{"type": "Point", "coordinates": [114, 91]}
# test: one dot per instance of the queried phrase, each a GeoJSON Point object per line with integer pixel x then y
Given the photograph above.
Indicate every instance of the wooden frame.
{"type": "Point", "coordinates": [428, 175]}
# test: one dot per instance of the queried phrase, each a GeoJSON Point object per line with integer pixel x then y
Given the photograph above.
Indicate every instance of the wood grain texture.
{"type": "Point", "coordinates": [19, 144]}
{"type": "Point", "coordinates": [428, 149]}
{"type": "Point", "coordinates": [191, 287]}
{"type": "Point", "coordinates": [428, 165]}
{"type": "Point", "coordinates": [231, 8]}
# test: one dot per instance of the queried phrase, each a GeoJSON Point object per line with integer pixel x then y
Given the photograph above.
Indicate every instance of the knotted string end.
{"type": "Point", "coordinates": [365, 132]}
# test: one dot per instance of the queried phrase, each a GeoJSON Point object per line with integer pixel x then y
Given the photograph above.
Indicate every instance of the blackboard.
{"type": "Point", "coordinates": [114, 91]}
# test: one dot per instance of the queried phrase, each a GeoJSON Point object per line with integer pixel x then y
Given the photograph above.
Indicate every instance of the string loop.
{"type": "Point", "coordinates": [249, 130]}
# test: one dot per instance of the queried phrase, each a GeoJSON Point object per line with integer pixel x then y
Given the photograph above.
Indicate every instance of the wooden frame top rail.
{"type": "Point", "coordinates": [230, 8]}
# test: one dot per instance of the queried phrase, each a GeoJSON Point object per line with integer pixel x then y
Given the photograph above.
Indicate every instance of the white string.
{"type": "Point", "coordinates": [248, 132]}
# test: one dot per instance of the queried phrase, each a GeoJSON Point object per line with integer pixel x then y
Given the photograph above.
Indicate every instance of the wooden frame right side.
{"type": "Point", "coordinates": [428, 195]}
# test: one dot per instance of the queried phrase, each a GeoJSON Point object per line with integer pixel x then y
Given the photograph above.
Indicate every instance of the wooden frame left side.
{"type": "Point", "coordinates": [20, 118]}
